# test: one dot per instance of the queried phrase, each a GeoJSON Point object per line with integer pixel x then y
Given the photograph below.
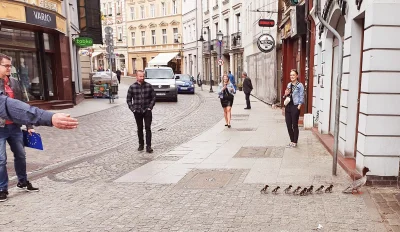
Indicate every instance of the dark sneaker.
{"type": "Point", "coordinates": [27, 186]}
{"type": "Point", "coordinates": [141, 148]}
{"type": "Point", "coordinates": [3, 196]}
{"type": "Point", "coordinates": [149, 150]}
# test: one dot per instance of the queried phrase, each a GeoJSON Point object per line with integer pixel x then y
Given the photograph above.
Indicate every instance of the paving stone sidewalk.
{"type": "Point", "coordinates": [210, 182]}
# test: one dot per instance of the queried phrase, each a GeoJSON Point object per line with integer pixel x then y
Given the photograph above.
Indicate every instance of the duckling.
{"type": "Point", "coordinates": [303, 192]}
{"type": "Point", "coordinates": [264, 190]}
{"type": "Point", "coordinates": [329, 189]}
{"type": "Point", "coordinates": [296, 191]}
{"type": "Point", "coordinates": [275, 191]}
{"type": "Point", "coordinates": [319, 190]}
{"type": "Point", "coordinates": [287, 190]}
{"type": "Point", "coordinates": [310, 190]}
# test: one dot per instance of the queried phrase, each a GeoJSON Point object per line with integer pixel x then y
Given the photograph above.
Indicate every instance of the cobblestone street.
{"type": "Point", "coordinates": [201, 177]}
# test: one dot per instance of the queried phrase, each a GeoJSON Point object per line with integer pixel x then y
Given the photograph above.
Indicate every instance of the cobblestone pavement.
{"type": "Point", "coordinates": [387, 201]}
{"type": "Point", "coordinates": [82, 195]}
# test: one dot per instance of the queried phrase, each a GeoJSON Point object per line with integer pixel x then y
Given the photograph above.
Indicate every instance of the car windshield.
{"type": "Point", "coordinates": [184, 77]}
{"type": "Point", "coordinates": [159, 74]}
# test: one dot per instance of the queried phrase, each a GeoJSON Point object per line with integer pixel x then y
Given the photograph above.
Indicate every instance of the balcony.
{"type": "Point", "coordinates": [236, 40]}
{"type": "Point", "coordinates": [214, 46]}
{"type": "Point", "coordinates": [226, 43]}
{"type": "Point", "coordinates": [215, 7]}
{"type": "Point", "coordinates": [225, 2]}
{"type": "Point", "coordinates": [206, 12]}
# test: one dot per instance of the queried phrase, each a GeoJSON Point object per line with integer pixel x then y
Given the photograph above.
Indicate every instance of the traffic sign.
{"type": "Point", "coordinates": [108, 30]}
{"type": "Point", "coordinates": [266, 23]}
{"type": "Point", "coordinates": [220, 62]}
{"type": "Point", "coordinates": [110, 49]}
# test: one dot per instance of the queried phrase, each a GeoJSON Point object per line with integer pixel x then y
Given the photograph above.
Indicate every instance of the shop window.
{"type": "Point", "coordinates": [17, 38]}
{"type": "Point", "coordinates": [48, 42]}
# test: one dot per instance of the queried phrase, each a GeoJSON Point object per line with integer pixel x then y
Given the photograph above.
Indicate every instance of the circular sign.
{"type": "Point", "coordinates": [220, 62]}
{"type": "Point", "coordinates": [108, 30]}
{"type": "Point", "coordinates": [266, 43]}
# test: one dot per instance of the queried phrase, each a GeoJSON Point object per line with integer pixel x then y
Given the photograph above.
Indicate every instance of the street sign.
{"type": "Point", "coordinates": [110, 49]}
{"type": "Point", "coordinates": [83, 42]}
{"type": "Point", "coordinates": [220, 62]}
{"type": "Point", "coordinates": [266, 23]}
{"type": "Point", "coordinates": [108, 30]}
{"type": "Point", "coordinates": [108, 56]}
{"type": "Point", "coordinates": [266, 43]}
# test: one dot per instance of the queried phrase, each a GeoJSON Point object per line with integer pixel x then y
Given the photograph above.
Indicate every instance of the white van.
{"type": "Point", "coordinates": [163, 81]}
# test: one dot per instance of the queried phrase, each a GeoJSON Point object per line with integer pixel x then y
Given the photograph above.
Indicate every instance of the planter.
{"type": "Point", "coordinates": [240, 88]}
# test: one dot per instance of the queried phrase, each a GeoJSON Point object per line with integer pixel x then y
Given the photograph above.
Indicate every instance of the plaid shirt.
{"type": "Point", "coordinates": [140, 97]}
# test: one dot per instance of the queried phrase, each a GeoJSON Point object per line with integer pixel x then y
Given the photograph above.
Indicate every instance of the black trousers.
{"type": "Point", "coordinates": [248, 100]}
{"type": "Point", "coordinates": [119, 79]}
{"type": "Point", "coordinates": [147, 117]}
{"type": "Point", "coordinates": [292, 114]}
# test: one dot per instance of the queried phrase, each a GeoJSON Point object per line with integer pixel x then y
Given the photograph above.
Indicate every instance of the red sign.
{"type": "Point", "coordinates": [266, 23]}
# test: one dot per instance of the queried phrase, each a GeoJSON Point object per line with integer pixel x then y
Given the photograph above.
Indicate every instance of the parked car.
{"type": "Point", "coordinates": [163, 81]}
{"type": "Point", "coordinates": [185, 83]}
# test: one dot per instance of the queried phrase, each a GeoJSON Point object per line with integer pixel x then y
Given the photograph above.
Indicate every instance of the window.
{"type": "Point", "coordinates": [216, 30]}
{"type": "Point", "coordinates": [142, 12]}
{"type": "Point", "coordinates": [164, 36]}
{"type": "Point", "coordinates": [109, 8]}
{"type": "Point", "coordinates": [120, 33]}
{"type": "Point", "coordinates": [104, 9]}
{"type": "Point", "coordinates": [176, 35]}
{"type": "Point", "coordinates": [174, 7]}
{"type": "Point", "coordinates": [163, 9]}
{"type": "Point", "coordinates": [194, 32]}
{"type": "Point", "coordinates": [238, 22]}
{"type": "Point", "coordinates": [143, 37]}
{"type": "Point", "coordinates": [153, 37]}
{"type": "Point", "coordinates": [190, 34]}
{"type": "Point", "coordinates": [118, 10]}
{"type": "Point", "coordinates": [133, 38]}
{"type": "Point", "coordinates": [227, 26]}
{"type": "Point", "coordinates": [152, 11]}
{"type": "Point", "coordinates": [132, 13]}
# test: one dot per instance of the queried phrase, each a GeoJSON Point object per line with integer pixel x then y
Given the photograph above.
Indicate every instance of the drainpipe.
{"type": "Point", "coordinates": [71, 53]}
{"type": "Point", "coordinates": [307, 74]}
{"type": "Point", "coordinates": [339, 85]}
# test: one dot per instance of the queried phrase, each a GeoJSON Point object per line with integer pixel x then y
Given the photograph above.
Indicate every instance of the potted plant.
{"type": "Point", "coordinates": [240, 86]}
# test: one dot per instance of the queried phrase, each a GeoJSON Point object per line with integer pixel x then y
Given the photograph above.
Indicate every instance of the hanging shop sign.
{"type": "Point", "coordinates": [266, 43]}
{"type": "Point", "coordinates": [266, 23]}
{"type": "Point", "coordinates": [83, 42]}
{"type": "Point", "coordinates": [40, 18]}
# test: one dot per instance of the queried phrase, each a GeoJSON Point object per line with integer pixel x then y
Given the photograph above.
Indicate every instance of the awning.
{"type": "Point", "coordinates": [94, 54]}
{"type": "Point", "coordinates": [163, 58]}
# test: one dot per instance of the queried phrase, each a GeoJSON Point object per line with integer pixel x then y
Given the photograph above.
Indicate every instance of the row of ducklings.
{"type": "Point", "coordinates": [299, 191]}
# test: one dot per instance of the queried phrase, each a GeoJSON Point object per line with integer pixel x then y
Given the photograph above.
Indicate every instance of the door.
{"type": "Point", "coordinates": [335, 63]}
{"type": "Point", "coordinates": [144, 62]}
{"type": "Point", "coordinates": [50, 76]}
{"type": "Point", "coordinates": [133, 65]}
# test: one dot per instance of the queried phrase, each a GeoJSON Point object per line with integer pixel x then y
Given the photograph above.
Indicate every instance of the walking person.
{"type": "Point", "coordinates": [232, 79]}
{"type": "Point", "coordinates": [226, 92]}
{"type": "Point", "coordinates": [118, 72]}
{"type": "Point", "coordinates": [247, 88]}
{"type": "Point", "coordinates": [141, 99]}
{"type": "Point", "coordinates": [295, 93]}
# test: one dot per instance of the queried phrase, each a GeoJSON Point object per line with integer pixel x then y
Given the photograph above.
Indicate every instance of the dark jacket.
{"type": "Point", "coordinates": [247, 86]}
{"type": "Point", "coordinates": [140, 97]}
{"type": "Point", "coordinates": [18, 94]}
{"type": "Point", "coordinates": [118, 72]}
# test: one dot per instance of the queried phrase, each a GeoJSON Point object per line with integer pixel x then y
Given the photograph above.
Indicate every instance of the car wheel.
{"type": "Point", "coordinates": [175, 99]}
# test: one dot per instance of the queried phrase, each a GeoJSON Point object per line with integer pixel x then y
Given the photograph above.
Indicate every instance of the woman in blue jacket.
{"type": "Point", "coordinates": [226, 92]}
{"type": "Point", "coordinates": [295, 92]}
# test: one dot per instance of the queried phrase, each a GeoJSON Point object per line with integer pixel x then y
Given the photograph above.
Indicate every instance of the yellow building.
{"type": "Point", "coordinates": [154, 31]}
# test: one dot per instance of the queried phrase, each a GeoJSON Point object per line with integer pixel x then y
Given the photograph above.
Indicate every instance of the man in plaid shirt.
{"type": "Point", "coordinates": [141, 99]}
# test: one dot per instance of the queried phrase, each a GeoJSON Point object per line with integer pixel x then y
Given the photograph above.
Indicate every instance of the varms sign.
{"type": "Point", "coordinates": [40, 18]}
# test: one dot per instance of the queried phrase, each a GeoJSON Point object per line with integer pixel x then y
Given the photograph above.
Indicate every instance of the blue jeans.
{"type": "Point", "coordinates": [13, 135]}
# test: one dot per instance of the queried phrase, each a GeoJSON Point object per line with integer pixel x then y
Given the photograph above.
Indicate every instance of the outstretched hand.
{"type": "Point", "coordinates": [64, 121]}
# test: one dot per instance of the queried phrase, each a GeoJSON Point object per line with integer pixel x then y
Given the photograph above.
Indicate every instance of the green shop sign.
{"type": "Point", "coordinates": [84, 42]}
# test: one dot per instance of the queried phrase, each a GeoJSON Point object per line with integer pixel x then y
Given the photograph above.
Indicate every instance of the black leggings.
{"type": "Point", "coordinates": [292, 114]}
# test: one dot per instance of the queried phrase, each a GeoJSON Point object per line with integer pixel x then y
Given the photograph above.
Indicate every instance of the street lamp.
{"type": "Point", "coordinates": [209, 50]}
{"type": "Point", "coordinates": [220, 36]}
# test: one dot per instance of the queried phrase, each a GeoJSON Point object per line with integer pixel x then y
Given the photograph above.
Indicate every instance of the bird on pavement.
{"type": "Point", "coordinates": [319, 190]}
{"type": "Point", "coordinates": [296, 191]}
{"type": "Point", "coordinates": [287, 190]}
{"type": "Point", "coordinates": [303, 192]}
{"type": "Point", "coordinates": [357, 184]}
{"type": "Point", "coordinates": [264, 190]}
{"type": "Point", "coordinates": [275, 191]}
{"type": "Point", "coordinates": [310, 190]}
{"type": "Point", "coordinates": [329, 189]}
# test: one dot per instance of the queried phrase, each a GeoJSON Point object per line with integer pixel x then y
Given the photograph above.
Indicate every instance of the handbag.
{"type": "Point", "coordinates": [287, 99]}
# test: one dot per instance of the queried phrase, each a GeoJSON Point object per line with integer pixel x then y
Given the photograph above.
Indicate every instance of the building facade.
{"type": "Point", "coordinates": [39, 48]}
{"type": "Point", "coordinates": [261, 67]}
{"type": "Point", "coordinates": [114, 15]}
{"type": "Point", "coordinates": [224, 16]}
{"type": "Point", "coordinates": [154, 28]}
{"type": "Point", "coordinates": [192, 27]}
{"type": "Point", "coordinates": [369, 131]}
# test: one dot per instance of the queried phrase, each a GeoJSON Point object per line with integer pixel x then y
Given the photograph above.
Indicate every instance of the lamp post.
{"type": "Point", "coordinates": [209, 50]}
{"type": "Point", "coordinates": [220, 36]}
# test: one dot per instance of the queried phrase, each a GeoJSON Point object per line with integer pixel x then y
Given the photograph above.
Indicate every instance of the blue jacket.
{"type": "Point", "coordinates": [221, 94]}
{"type": "Point", "coordinates": [298, 94]}
{"type": "Point", "coordinates": [232, 79]}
